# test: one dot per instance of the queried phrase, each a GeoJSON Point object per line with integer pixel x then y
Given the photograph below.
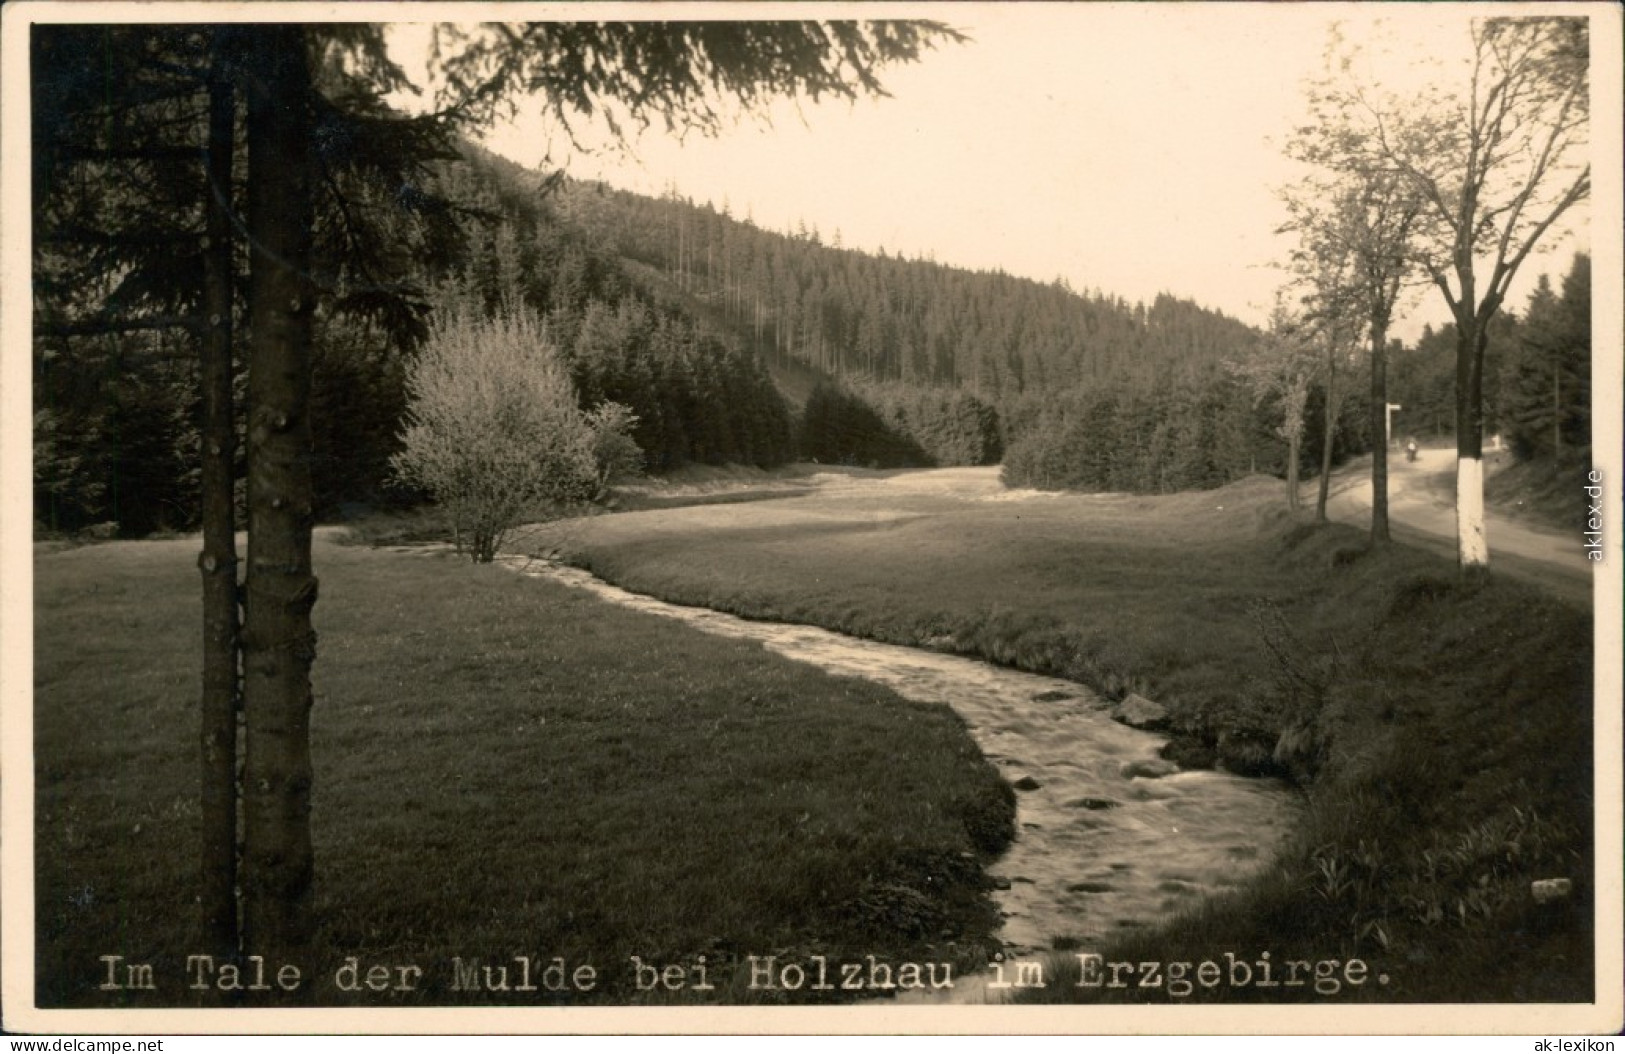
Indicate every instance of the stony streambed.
{"type": "Point", "coordinates": [1099, 847]}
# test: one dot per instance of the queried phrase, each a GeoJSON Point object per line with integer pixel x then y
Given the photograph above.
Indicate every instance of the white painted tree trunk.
{"type": "Point", "coordinates": [1474, 550]}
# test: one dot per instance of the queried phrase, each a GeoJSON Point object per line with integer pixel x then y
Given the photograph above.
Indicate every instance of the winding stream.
{"type": "Point", "coordinates": [1097, 848]}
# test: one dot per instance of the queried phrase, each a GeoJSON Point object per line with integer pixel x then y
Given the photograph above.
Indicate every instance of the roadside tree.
{"type": "Point", "coordinates": [1496, 164]}
{"type": "Point", "coordinates": [1283, 365]}
{"type": "Point", "coordinates": [1356, 220]}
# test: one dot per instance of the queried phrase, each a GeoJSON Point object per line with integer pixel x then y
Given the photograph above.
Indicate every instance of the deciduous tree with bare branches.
{"type": "Point", "coordinates": [1496, 165]}
{"type": "Point", "coordinates": [1355, 223]}
{"type": "Point", "coordinates": [1283, 366]}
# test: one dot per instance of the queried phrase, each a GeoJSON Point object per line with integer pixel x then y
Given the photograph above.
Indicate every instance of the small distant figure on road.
{"type": "Point", "coordinates": [1410, 449]}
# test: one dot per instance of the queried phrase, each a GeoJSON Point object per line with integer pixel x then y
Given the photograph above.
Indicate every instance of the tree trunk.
{"type": "Point", "coordinates": [278, 643]}
{"type": "Point", "coordinates": [1334, 405]}
{"type": "Point", "coordinates": [218, 561]}
{"type": "Point", "coordinates": [1293, 444]}
{"type": "Point", "coordinates": [1471, 545]}
{"type": "Point", "coordinates": [1557, 410]}
{"type": "Point", "coordinates": [1379, 430]}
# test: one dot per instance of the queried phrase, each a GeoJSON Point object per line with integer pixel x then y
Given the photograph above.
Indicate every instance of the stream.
{"type": "Point", "coordinates": [1098, 848]}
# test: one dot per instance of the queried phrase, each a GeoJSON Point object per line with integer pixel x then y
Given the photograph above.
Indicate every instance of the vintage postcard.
{"type": "Point", "coordinates": [1095, 518]}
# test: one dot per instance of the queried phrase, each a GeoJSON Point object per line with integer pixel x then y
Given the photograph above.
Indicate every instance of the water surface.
{"type": "Point", "coordinates": [1098, 848]}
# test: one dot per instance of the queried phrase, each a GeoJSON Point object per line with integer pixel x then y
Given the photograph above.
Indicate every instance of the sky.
{"type": "Point", "coordinates": [1128, 148]}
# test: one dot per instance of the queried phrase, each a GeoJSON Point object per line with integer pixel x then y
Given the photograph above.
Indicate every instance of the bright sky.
{"type": "Point", "coordinates": [1130, 148]}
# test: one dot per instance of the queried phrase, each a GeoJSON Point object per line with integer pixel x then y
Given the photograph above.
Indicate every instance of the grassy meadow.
{"type": "Point", "coordinates": [1440, 729]}
{"type": "Point", "coordinates": [504, 767]}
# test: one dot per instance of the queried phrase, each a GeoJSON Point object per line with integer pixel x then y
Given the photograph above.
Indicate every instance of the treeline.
{"type": "Point", "coordinates": [894, 426]}
{"type": "Point", "coordinates": [874, 317]}
{"type": "Point", "coordinates": [116, 431]}
{"type": "Point", "coordinates": [695, 399]}
{"type": "Point", "coordinates": [129, 289]}
{"type": "Point", "coordinates": [698, 395]}
{"type": "Point", "coordinates": [676, 311]}
{"type": "Point", "coordinates": [1545, 383]}
{"type": "Point", "coordinates": [934, 365]}
{"type": "Point", "coordinates": [1193, 432]}
{"type": "Point", "coordinates": [1537, 374]}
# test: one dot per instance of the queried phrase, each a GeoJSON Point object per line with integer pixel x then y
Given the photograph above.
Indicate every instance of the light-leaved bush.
{"type": "Point", "coordinates": [492, 427]}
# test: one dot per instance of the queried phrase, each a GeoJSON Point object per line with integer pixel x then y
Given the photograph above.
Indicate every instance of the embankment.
{"type": "Point", "coordinates": [1441, 729]}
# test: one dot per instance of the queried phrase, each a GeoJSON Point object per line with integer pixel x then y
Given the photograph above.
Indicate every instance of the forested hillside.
{"type": "Point", "coordinates": [1080, 389]}
{"type": "Point", "coordinates": [1537, 396]}
{"type": "Point", "coordinates": [1537, 374]}
{"type": "Point", "coordinates": [685, 315]}
{"type": "Point", "coordinates": [916, 352]}
{"type": "Point", "coordinates": [115, 386]}
{"type": "Point", "coordinates": [879, 317]}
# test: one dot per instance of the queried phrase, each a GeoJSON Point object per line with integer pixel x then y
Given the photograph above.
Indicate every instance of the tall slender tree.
{"type": "Point", "coordinates": [218, 560]}
{"type": "Point", "coordinates": [279, 588]}
{"type": "Point", "coordinates": [1330, 314]}
{"type": "Point", "coordinates": [1356, 221]}
{"type": "Point", "coordinates": [1281, 368]}
{"type": "Point", "coordinates": [1496, 164]}
{"type": "Point", "coordinates": [1338, 343]}
{"type": "Point", "coordinates": [310, 95]}
{"type": "Point", "coordinates": [159, 139]}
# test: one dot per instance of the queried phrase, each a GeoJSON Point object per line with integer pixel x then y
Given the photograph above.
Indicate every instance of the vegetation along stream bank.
{"type": "Point", "coordinates": [1440, 729]}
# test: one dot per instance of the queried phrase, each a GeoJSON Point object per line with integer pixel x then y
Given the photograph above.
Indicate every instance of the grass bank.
{"type": "Point", "coordinates": [1545, 491]}
{"type": "Point", "coordinates": [504, 767]}
{"type": "Point", "coordinates": [1441, 729]}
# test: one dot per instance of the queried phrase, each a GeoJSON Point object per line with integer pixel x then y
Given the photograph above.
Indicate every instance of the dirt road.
{"type": "Point", "coordinates": [1421, 512]}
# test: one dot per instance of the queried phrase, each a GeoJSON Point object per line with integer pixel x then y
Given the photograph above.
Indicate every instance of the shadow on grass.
{"type": "Point", "coordinates": [505, 770]}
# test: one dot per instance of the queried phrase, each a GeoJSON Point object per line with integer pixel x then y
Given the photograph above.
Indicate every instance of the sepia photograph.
{"type": "Point", "coordinates": [1089, 518]}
